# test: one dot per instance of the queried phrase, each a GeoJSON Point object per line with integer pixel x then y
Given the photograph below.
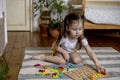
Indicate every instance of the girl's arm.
{"type": "Point", "coordinates": [61, 51]}
{"type": "Point", "coordinates": [92, 55]}
{"type": "Point", "coordinates": [89, 51]}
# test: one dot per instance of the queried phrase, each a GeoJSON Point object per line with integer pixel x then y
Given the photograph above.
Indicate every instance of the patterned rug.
{"type": "Point", "coordinates": [109, 58]}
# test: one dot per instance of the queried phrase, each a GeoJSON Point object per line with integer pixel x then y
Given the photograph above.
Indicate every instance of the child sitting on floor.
{"type": "Point", "coordinates": [68, 42]}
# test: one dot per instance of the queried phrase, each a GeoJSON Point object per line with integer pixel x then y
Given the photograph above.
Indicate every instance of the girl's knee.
{"type": "Point", "coordinates": [76, 60]}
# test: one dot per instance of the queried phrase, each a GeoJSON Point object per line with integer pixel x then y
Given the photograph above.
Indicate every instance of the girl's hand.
{"type": "Point", "coordinates": [101, 69]}
{"type": "Point", "coordinates": [66, 56]}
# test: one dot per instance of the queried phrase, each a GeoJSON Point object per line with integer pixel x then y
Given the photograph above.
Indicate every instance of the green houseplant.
{"type": "Point", "coordinates": [41, 7]}
{"type": "Point", "coordinates": [41, 11]}
{"type": "Point", "coordinates": [49, 8]}
{"type": "Point", "coordinates": [55, 25]}
{"type": "Point", "coordinates": [3, 68]}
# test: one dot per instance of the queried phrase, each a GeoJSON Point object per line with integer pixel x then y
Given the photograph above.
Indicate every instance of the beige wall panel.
{"type": "Point", "coordinates": [18, 15]}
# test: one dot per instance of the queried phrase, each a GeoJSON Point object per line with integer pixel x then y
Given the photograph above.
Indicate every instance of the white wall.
{"type": "Point", "coordinates": [3, 11]}
{"type": "Point", "coordinates": [5, 15]}
{"type": "Point", "coordinates": [1, 7]}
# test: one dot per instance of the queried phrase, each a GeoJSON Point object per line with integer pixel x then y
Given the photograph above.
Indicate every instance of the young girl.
{"type": "Point", "coordinates": [69, 41]}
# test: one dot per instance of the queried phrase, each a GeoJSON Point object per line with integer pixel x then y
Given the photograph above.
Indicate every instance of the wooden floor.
{"type": "Point", "coordinates": [18, 41]}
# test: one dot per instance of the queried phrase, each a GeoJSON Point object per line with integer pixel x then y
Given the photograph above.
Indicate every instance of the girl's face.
{"type": "Point", "coordinates": [75, 29]}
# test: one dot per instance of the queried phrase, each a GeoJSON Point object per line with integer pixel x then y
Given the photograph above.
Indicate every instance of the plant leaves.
{"type": "Point", "coordinates": [3, 68]}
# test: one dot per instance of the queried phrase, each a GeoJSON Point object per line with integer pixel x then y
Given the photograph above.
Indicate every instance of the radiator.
{"type": "Point", "coordinates": [2, 36]}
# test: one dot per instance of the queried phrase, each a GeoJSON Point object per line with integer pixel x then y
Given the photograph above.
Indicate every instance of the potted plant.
{"type": "Point", "coordinates": [41, 11]}
{"type": "Point", "coordinates": [54, 28]}
{"type": "Point", "coordinates": [52, 9]}
{"type": "Point", "coordinates": [41, 6]}
{"type": "Point", "coordinates": [55, 24]}
{"type": "Point", "coordinates": [3, 68]}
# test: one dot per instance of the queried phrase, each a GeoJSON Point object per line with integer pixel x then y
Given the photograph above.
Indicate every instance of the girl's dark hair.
{"type": "Point", "coordinates": [67, 20]}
